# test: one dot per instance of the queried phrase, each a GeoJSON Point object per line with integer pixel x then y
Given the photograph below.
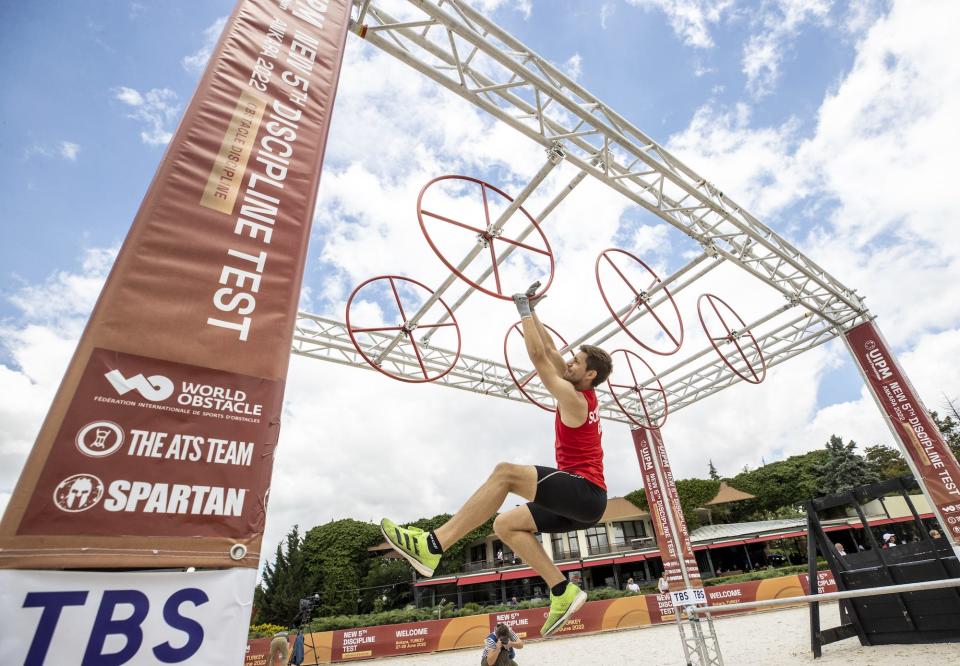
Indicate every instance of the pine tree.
{"type": "Point", "coordinates": [713, 472]}
{"type": "Point", "coordinates": [284, 583]}
{"type": "Point", "coordinates": [843, 469]}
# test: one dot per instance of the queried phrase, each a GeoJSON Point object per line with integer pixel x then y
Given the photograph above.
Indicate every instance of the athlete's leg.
{"type": "Point", "coordinates": [516, 528]}
{"type": "Point", "coordinates": [506, 478]}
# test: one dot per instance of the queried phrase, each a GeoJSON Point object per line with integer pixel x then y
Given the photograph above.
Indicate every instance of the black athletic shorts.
{"type": "Point", "coordinates": [565, 501]}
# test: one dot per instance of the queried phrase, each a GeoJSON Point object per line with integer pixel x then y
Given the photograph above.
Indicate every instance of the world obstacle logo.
{"type": "Point", "coordinates": [154, 388]}
{"type": "Point", "coordinates": [78, 493]}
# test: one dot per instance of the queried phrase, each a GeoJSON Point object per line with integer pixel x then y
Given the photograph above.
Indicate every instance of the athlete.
{"type": "Point", "coordinates": [571, 496]}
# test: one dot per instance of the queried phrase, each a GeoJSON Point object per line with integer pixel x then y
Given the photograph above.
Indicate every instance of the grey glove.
{"type": "Point", "coordinates": [523, 305]}
{"type": "Point", "coordinates": [531, 290]}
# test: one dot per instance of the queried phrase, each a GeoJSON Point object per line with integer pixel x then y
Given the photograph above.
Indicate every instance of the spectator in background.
{"type": "Point", "coordinates": [500, 557]}
{"type": "Point", "coordinates": [840, 549]}
{"type": "Point", "coordinates": [279, 647]}
{"type": "Point", "coordinates": [889, 541]}
{"type": "Point", "coordinates": [632, 587]}
{"type": "Point", "coordinates": [935, 534]}
{"type": "Point", "coordinates": [512, 602]}
{"type": "Point", "coordinates": [662, 585]}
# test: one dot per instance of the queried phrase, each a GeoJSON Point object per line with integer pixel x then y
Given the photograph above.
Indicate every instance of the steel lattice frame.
{"type": "Point", "coordinates": [472, 57]}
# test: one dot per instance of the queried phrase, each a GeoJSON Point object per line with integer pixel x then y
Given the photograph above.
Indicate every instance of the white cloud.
{"type": "Point", "coordinates": [573, 66]}
{"type": "Point", "coordinates": [39, 345]}
{"type": "Point", "coordinates": [197, 61]}
{"type": "Point", "coordinates": [69, 150]}
{"type": "Point", "coordinates": [157, 109]}
{"type": "Point", "coordinates": [487, 7]}
{"type": "Point", "coordinates": [864, 197]}
{"type": "Point", "coordinates": [129, 96]}
{"type": "Point", "coordinates": [607, 10]}
{"type": "Point", "coordinates": [690, 19]}
{"type": "Point", "coordinates": [778, 23]}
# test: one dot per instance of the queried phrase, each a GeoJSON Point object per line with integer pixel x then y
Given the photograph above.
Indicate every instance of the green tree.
{"type": "Point", "coordinates": [885, 462]}
{"type": "Point", "coordinates": [285, 581]}
{"type": "Point", "coordinates": [843, 469]}
{"type": "Point", "coordinates": [336, 554]}
{"type": "Point", "coordinates": [387, 585]}
{"type": "Point", "coordinates": [693, 493]}
{"type": "Point", "coordinates": [779, 488]}
{"type": "Point", "coordinates": [949, 427]}
{"type": "Point", "coordinates": [714, 475]}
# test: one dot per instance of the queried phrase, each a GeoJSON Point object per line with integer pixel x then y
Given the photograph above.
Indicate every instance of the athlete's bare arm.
{"type": "Point", "coordinates": [554, 356]}
{"type": "Point", "coordinates": [570, 402]}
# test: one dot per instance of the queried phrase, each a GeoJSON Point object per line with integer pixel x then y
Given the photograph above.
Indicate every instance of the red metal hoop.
{"type": "Point", "coordinates": [484, 236]}
{"type": "Point", "coordinates": [404, 327]}
{"type": "Point", "coordinates": [640, 299]}
{"type": "Point", "coordinates": [638, 389]}
{"type": "Point", "coordinates": [732, 335]}
{"type": "Point", "coordinates": [533, 374]}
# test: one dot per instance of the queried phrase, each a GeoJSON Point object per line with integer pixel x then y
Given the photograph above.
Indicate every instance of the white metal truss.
{"type": "Point", "coordinates": [461, 50]}
{"type": "Point", "coordinates": [471, 56]}
{"type": "Point", "coordinates": [699, 640]}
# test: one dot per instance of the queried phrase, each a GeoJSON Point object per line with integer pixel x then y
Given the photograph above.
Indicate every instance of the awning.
{"type": "Point", "coordinates": [519, 573]}
{"type": "Point", "coordinates": [699, 548]}
{"type": "Point", "coordinates": [597, 563]}
{"type": "Point", "coordinates": [631, 558]}
{"type": "Point", "coordinates": [570, 567]}
{"type": "Point", "coordinates": [473, 580]}
{"type": "Point", "coordinates": [449, 580]}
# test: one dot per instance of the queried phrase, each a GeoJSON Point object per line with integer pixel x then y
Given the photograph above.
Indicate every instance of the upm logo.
{"type": "Point", "coordinates": [154, 387]}
{"type": "Point", "coordinates": [879, 364]}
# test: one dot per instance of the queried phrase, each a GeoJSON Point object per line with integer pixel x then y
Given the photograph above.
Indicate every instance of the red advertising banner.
{"type": "Point", "coordinates": [469, 632]}
{"type": "Point", "coordinates": [666, 514]}
{"type": "Point", "coordinates": [157, 449]}
{"type": "Point", "coordinates": [935, 465]}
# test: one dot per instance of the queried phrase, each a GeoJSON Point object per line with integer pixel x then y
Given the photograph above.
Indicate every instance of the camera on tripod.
{"type": "Point", "coordinates": [307, 606]}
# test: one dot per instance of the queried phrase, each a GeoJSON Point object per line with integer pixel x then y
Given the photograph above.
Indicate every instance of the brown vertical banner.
{"type": "Point", "coordinates": [936, 466]}
{"type": "Point", "coordinates": [158, 447]}
{"type": "Point", "coordinates": [660, 489]}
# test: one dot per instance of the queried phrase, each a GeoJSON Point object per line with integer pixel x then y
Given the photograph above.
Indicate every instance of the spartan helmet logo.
{"type": "Point", "coordinates": [78, 493]}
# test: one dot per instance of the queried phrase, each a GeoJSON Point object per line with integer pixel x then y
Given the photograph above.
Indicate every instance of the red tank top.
{"type": "Point", "coordinates": [578, 449]}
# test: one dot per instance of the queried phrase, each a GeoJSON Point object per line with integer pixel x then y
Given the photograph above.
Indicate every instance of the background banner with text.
{"type": "Point", "coordinates": [909, 421]}
{"type": "Point", "coordinates": [158, 447]}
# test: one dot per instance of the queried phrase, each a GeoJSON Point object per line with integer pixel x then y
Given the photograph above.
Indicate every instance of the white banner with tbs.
{"type": "Point", "coordinates": [63, 617]}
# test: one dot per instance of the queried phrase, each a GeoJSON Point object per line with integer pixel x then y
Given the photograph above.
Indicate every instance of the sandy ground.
{"type": "Point", "coordinates": [780, 637]}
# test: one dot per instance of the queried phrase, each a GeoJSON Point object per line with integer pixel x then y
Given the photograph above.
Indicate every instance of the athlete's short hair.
{"type": "Point", "coordinates": [599, 361]}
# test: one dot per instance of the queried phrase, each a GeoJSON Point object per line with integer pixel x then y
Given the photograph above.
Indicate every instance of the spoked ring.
{"type": "Point", "coordinates": [637, 389]}
{"type": "Point", "coordinates": [624, 319]}
{"type": "Point", "coordinates": [732, 335]}
{"type": "Point", "coordinates": [429, 367]}
{"type": "Point", "coordinates": [521, 382]}
{"type": "Point", "coordinates": [487, 237]}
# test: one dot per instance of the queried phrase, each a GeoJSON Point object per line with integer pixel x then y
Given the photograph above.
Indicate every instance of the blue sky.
{"type": "Point", "coordinates": [834, 125]}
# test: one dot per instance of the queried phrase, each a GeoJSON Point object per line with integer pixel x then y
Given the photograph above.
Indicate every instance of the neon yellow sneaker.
{"type": "Point", "coordinates": [411, 542]}
{"type": "Point", "coordinates": [562, 607]}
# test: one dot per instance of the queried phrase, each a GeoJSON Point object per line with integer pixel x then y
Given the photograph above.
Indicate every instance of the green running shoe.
{"type": "Point", "coordinates": [562, 607]}
{"type": "Point", "coordinates": [411, 542]}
